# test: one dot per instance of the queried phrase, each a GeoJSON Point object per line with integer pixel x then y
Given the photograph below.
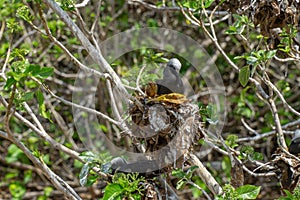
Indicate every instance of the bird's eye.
{"type": "Point", "coordinates": [173, 67]}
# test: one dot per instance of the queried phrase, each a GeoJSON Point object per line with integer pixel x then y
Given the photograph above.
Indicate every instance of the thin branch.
{"type": "Point", "coordinates": [285, 103]}
{"type": "Point", "coordinates": [6, 61]}
{"type": "Point", "coordinates": [167, 8]}
{"type": "Point", "coordinates": [280, 136]}
{"type": "Point", "coordinates": [82, 4]}
{"type": "Point", "coordinates": [138, 88]}
{"type": "Point", "coordinates": [286, 59]}
{"type": "Point", "coordinates": [97, 17]}
{"type": "Point", "coordinates": [248, 127]}
{"type": "Point", "coordinates": [199, 188]}
{"type": "Point", "coordinates": [50, 140]}
{"type": "Point", "coordinates": [4, 135]}
{"type": "Point", "coordinates": [59, 183]}
{"type": "Point", "coordinates": [96, 55]}
{"type": "Point", "coordinates": [60, 45]}
{"type": "Point", "coordinates": [77, 105]}
{"type": "Point", "coordinates": [2, 28]}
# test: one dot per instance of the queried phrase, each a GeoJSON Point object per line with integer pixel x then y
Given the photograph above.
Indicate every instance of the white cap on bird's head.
{"type": "Point", "coordinates": [175, 64]}
{"type": "Point", "coordinates": [296, 134]}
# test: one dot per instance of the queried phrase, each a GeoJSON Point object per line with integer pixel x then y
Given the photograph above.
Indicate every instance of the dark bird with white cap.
{"type": "Point", "coordinates": [295, 144]}
{"type": "Point", "coordinates": [171, 81]}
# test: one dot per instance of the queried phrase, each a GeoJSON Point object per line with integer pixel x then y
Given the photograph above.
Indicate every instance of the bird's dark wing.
{"type": "Point", "coordinates": [170, 83]}
{"type": "Point", "coordinates": [162, 88]}
{"type": "Point", "coordinates": [294, 148]}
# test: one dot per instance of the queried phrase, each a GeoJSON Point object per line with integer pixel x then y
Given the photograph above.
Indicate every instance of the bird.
{"type": "Point", "coordinates": [171, 82]}
{"type": "Point", "coordinates": [143, 167]}
{"type": "Point", "coordinates": [117, 163]}
{"type": "Point", "coordinates": [294, 147]}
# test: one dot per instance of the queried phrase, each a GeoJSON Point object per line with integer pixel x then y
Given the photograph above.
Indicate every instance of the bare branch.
{"type": "Point", "coordinates": [96, 55]}
{"type": "Point", "coordinates": [206, 177]}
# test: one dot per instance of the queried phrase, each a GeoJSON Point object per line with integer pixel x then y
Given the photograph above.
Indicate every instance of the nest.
{"type": "Point", "coordinates": [288, 170]}
{"type": "Point", "coordinates": [270, 15]}
{"type": "Point", "coordinates": [165, 121]}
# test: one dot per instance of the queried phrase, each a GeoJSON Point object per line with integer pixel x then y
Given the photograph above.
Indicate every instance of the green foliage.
{"type": "Point", "coordinates": [286, 40]}
{"type": "Point", "coordinates": [22, 69]}
{"type": "Point", "coordinates": [128, 186]}
{"type": "Point", "coordinates": [13, 26]}
{"type": "Point", "coordinates": [241, 193]}
{"type": "Point", "coordinates": [17, 190]}
{"type": "Point", "coordinates": [187, 178]}
{"type": "Point", "coordinates": [91, 160]}
{"type": "Point", "coordinates": [244, 75]}
{"type": "Point", "coordinates": [241, 22]}
{"type": "Point", "coordinates": [231, 140]}
{"type": "Point", "coordinates": [67, 5]}
{"type": "Point", "coordinates": [248, 153]}
{"type": "Point", "coordinates": [86, 176]}
{"type": "Point", "coordinates": [196, 5]}
{"type": "Point", "coordinates": [226, 166]}
{"type": "Point", "coordinates": [21, 74]}
{"type": "Point", "coordinates": [42, 107]}
{"type": "Point", "coordinates": [243, 103]}
{"type": "Point", "coordinates": [257, 57]}
{"type": "Point", "coordinates": [284, 87]}
{"type": "Point", "coordinates": [209, 113]}
{"type": "Point", "coordinates": [27, 176]}
{"type": "Point", "coordinates": [24, 13]}
{"type": "Point", "coordinates": [151, 60]}
{"type": "Point", "coordinates": [47, 193]}
{"type": "Point", "coordinates": [291, 196]}
{"type": "Point", "coordinates": [15, 154]}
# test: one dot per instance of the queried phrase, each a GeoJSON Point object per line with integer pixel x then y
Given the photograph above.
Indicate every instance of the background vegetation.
{"type": "Point", "coordinates": [254, 44]}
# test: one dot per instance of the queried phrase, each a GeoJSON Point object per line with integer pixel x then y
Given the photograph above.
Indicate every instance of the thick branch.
{"type": "Point", "coordinates": [206, 177]}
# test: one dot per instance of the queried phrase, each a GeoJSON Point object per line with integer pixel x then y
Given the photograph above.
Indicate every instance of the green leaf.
{"type": "Point", "coordinates": [248, 191]}
{"type": "Point", "coordinates": [40, 97]}
{"type": "Point", "coordinates": [231, 140]}
{"type": "Point", "coordinates": [208, 3]}
{"type": "Point", "coordinates": [47, 191]}
{"type": "Point", "coordinates": [14, 153]}
{"type": "Point", "coordinates": [27, 176]}
{"type": "Point", "coordinates": [271, 54]}
{"type": "Point", "coordinates": [113, 192]}
{"type": "Point", "coordinates": [192, 168]}
{"type": "Point", "coordinates": [34, 69]}
{"type": "Point", "coordinates": [42, 107]}
{"type": "Point", "coordinates": [27, 96]}
{"type": "Point", "coordinates": [16, 76]}
{"type": "Point", "coordinates": [251, 60]}
{"type": "Point", "coordinates": [9, 82]}
{"type": "Point", "coordinates": [232, 30]}
{"type": "Point", "coordinates": [44, 72]}
{"type": "Point", "coordinates": [83, 175]}
{"type": "Point", "coordinates": [88, 156]}
{"type": "Point", "coordinates": [257, 156]}
{"type": "Point", "coordinates": [191, 4]}
{"type": "Point", "coordinates": [17, 190]}
{"type": "Point", "coordinates": [244, 75]}
{"type": "Point", "coordinates": [178, 173]}
{"type": "Point", "coordinates": [44, 113]}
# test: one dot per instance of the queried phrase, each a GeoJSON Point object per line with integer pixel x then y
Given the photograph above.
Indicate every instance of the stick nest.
{"type": "Point", "coordinates": [165, 121]}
